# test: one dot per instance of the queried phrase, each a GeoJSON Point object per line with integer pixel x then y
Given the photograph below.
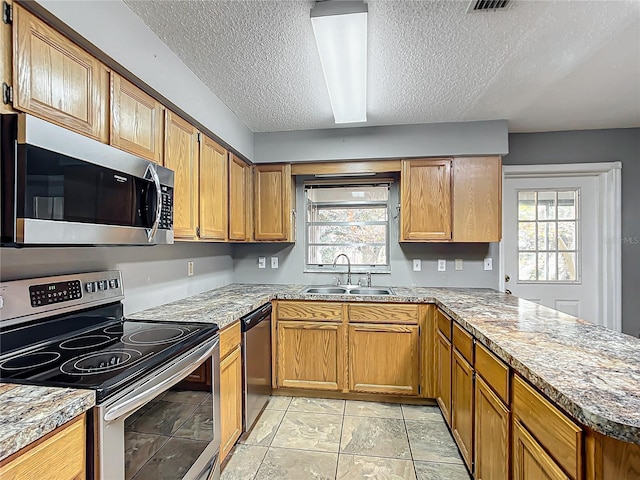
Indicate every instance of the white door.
{"type": "Point", "coordinates": [551, 235]}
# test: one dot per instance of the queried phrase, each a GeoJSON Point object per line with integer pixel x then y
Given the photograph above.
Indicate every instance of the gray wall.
{"type": "Point", "coordinates": [117, 31]}
{"type": "Point", "coordinates": [429, 140]}
{"type": "Point", "coordinates": [598, 146]}
{"type": "Point", "coordinates": [151, 275]}
{"type": "Point", "coordinates": [291, 260]}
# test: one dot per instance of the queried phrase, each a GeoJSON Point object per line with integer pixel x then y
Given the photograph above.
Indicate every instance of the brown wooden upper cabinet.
{"type": "Point", "coordinates": [214, 215]}
{"type": "Point", "coordinates": [56, 80]}
{"type": "Point", "coordinates": [136, 120]}
{"type": "Point", "coordinates": [240, 195]}
{"type": "Point", "coordinates": [181, 156]}
{"type": "Point", "coordinates": [451, 199]}
{"type": "Point", "coordinates": [477, 199]}
{"type": "Point", "coordinates": [6, 60]}
{"type": "Point", "coordinates": [425, 200]}
{"type": "Point", "coordinates": [273, 191]}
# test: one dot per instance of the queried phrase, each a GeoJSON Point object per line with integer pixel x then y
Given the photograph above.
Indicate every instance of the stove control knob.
{"type": "Point", "coordinates": [90, 287]}
{"type": "Point", "coordinates": [1, 301]}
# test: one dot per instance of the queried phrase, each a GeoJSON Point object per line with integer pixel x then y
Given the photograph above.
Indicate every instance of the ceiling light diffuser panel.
{"type": "Point", "coordinates": [342, 44]}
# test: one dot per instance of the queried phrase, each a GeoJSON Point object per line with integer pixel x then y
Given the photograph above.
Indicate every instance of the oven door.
{"type": "Point", "coordinates": [163, 427]}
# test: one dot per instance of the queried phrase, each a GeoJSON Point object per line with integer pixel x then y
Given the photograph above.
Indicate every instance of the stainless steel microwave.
{"type": "Point", "coordinates": [62, 188]}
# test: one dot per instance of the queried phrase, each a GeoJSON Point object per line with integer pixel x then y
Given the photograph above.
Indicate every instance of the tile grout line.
{"type": "Point", "coordinates": [413, 462]}
{"type": "Point", "coordinates": [344, 410]}
{"type": "Point", "coordinates": [274, 436]}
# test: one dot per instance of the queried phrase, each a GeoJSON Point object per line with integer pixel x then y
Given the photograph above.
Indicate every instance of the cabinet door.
{"type": "Point", "coordinates": [239, 193]}
{"type": "Point", "coordinates": [443, 375]}
{"type": "Point", "coordinates": [136, 120]}
{"type": "Point", "coordinates": [477, 199]}
{"type": "Point", "coordinates": [61, 456]}
{"type": "Point", "coordinates": [6, 60]}
{"type": "Point", "coordinates": [310, 355]}
{"type": "Point", "coordinates": [180, 155]}
{"type": "Point", "coordinates": [384, 359]}
{"type": "Point", "coordinates": [462, 406]}
{"type": "Point", "coordinates": [57, 80]}
{"type": "Point", "coordinates": [530, 461]}
{"type": "Point", "coordinates": [491, 440]}
{"type": "Point", "coordinates": [272, 202]}
{"type": "Point", "coordinates": [214, 213]}
{"type": "Point", "coordinates": [230, 401]}
{"type": "Point", "coordinates": [426, 200]}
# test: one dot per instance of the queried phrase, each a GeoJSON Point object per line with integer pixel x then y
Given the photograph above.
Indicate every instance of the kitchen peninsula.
{"type": "Point", "coordinates": [588, 375]}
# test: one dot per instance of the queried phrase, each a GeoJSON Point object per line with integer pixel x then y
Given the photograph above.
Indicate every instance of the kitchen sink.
{"type": "Point", "coordinates": [347, 290]}
{"type": "Point", "coordinates": [325, 290]}
{"type": "Point", "coordinates": [371, 291]}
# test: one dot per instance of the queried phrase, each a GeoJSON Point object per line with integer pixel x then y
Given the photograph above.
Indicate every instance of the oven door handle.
{"type": "Point", "coordinates": [183, 367]}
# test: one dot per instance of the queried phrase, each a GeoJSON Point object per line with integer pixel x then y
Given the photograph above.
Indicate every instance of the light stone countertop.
{"type": "Point", "coordinates": [28, 413]}
{"type": "Point", "coordinates": [591, 372]}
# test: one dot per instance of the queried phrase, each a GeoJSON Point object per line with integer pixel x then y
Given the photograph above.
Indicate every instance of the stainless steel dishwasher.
{"type": "Point", "coordinates": [256, 351]}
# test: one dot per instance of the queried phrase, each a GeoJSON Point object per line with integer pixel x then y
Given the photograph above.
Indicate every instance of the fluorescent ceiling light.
{"type": "Point", "coordinates": [341, 38]}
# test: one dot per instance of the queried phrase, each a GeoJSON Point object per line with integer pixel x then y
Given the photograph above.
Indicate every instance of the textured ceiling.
{"type": "Point", "coordinates": [542, 65]}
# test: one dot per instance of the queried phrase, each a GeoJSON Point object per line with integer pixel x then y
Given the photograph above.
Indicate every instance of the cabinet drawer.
{"type": "Point", "coordinates": [463, 341]}
{"type": "Point", "coordinates": [229, 339]}
{"type": "Point", "coordinates": [60, 455]}
{"type": "Point", "coordinates": [318, 311]}
{"type": "Point", "coordinates": [559, 436]}
{"type": "Point", "coordinates": [377, 313]}
{"type": "Point", "coordinates": [493, 371]}
{"type": "Point", "coordinates": [444, 324]}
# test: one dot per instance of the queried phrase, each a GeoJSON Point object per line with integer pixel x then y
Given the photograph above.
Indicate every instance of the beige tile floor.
{"type": "Point", "coordinates": [305, 438]}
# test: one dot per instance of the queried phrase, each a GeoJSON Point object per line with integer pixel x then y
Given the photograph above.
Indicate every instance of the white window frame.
{"type": "Point", "coordinates": [341, 268]}
{"type": "Point", "coordinates": [578, 247]}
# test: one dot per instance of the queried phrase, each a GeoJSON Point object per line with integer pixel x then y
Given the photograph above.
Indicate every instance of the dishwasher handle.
{"type": "Point", "coordinates": [254, 318]}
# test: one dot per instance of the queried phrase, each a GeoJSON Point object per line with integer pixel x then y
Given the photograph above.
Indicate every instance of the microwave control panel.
{"type": "Point", "coordinates": [166, 215]}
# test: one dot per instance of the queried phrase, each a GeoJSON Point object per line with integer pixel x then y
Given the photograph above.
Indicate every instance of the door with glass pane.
{"type": "Point", "coordinates": [551, 247]}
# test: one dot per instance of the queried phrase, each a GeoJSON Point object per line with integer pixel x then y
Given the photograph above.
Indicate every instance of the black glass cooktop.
{"type": "Point", "coordinates": [97, 349]}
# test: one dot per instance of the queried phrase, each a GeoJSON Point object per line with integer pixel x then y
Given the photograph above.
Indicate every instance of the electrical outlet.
{"type": "Point", "coordinates": [488, 263]}
{"type": "Point", "coordinates": [262, 262]}
{"type": "Point", "coordinates": [417, 264]}
{"type": "Point", "coordinates": [442, 265]}
{"type": "Point", "coordinates": [458, 264]}
{"type": "Point", "coordinates": [274, 262]}
{"type": "Point", "coordinates": [189, 269]}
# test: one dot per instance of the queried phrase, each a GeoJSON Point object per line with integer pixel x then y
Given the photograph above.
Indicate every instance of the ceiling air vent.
{"type": "Point", "coordinates": [488, 5]}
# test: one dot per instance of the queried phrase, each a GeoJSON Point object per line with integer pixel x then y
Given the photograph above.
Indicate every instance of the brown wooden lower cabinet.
{"type": "Point", "coordinates": [491, 434]}
{"type": "Point", "coordinates": [443, 375]}
{"type": "Point", "coordinates": [310, 355]}
{"type": "Point", "coordinates": [58, 456]}
{"type": "Point", "coordinates": [462, 406]}
{"type": "Point", "coordinates": [230, 401]}
{"type": "Point", "coordinates": [384, 359]}
{"type": "Point", "coordinates": [530, 460]}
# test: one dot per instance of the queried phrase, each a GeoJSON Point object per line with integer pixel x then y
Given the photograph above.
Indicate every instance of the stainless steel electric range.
{"type": "Point", "coordinates": [70, 331]}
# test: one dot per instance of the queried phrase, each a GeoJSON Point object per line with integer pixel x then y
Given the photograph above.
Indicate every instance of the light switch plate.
{"type": "Point", "coordinates": [417, 264]}
{"type": "Point", "coordinates": [262, 262]}
{"type": "Point", "coordinates": [458, 264]}
{"type": "Point", "coordinates": [274, 262]}
{"type": "Point", "coordinates": [442, 265]}
{"type": "Point", "coordinates": [488, 263]}
{"type": "Point", "coordinates": [189, 269]}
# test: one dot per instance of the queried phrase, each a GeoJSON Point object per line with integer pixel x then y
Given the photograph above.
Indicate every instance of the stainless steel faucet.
{"type": "Point", "coordinates": [348, 266]}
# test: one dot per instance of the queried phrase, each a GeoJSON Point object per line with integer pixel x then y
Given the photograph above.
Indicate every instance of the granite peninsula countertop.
{"type": "Point", "coordinates": [591, 372]}
{"type": "Point", "coordinates": [28, 413]}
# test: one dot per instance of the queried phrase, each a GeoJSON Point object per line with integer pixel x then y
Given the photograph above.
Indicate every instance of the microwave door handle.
{"type": "Point", "coordinates": [151, 233]}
